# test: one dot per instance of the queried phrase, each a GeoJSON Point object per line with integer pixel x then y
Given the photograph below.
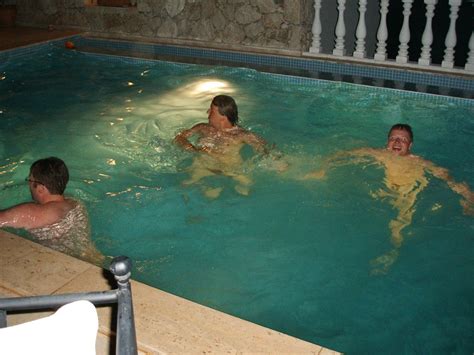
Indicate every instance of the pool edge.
{"type": "Point", "coordinates": [164, 323]}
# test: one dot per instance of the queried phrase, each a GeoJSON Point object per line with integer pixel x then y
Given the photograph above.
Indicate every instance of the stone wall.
{"type": "Point", "coordinates": [238, 24]}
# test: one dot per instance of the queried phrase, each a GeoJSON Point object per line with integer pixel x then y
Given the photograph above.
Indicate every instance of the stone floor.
{"type": "Point", "coordinates": [164, 323]}
{"type": "Point", "coordinates": [12, 37]}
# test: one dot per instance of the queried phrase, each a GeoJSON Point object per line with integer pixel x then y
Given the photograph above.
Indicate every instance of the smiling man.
{"type": "Point", "coordinates": [405, 177]}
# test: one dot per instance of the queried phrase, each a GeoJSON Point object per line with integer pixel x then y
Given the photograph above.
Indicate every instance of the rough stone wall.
{"type": "Point", "coordinates": [268, 24]}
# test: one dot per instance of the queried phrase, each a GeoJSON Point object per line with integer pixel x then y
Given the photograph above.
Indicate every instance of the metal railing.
{"type": "Point", "coordinates": [126, 342]}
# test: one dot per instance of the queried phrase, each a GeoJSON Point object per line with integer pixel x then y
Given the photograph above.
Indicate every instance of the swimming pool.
{"type": "Point", "coordinates": [293, 255]}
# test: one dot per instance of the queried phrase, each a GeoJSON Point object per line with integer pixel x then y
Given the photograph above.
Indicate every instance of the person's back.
{"type": "Point", "coordinates": [69, 234]}
{"type": "Point", "coordinates": [55, 221]}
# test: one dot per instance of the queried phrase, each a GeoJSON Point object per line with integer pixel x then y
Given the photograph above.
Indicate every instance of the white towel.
{"type": "Point", "coordinates": [71, 330]}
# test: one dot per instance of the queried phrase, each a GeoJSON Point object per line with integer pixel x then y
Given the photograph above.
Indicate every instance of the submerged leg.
{"type": "Point", "coordinates": [406, 208]}
{"type": "Point", "coordinates": [404, 203]}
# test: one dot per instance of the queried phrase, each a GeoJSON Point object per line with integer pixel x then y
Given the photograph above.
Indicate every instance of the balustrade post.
{"type": "Point", "coordinates": [339, 49]}
{"type": "Point", "coordinates": [470, 56]}
{"type": "Point", "coordinates": [382, 33]}
{"type": "Point", "coordinates": [404, 37]}
{"type": "Point", "coordinates": [316, 29]}
{"type": "Point", "coordinates": [361, 31]}
{"type": "Point", "coordinates": [450, 42]}
{"type": "Point", "coordinates": [427, 39]}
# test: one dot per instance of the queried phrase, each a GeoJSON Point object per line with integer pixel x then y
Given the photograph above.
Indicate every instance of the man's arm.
{"type": "Point", "coordinates": [460, 188]}
{"type": "Point", "coordinates": [26, 215]}
{"type": "Point", "coordinates": [256, 142]}
{"type": "Point", "coordinates": [355, 156]}
{"type": "Point", "coordinates": [182, 138]}
{"type": "Point", "coordinates": [275, 160]}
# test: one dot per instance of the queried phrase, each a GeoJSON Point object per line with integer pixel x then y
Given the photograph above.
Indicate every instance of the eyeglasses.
{"type": "Point", "coordinates": [33, 181]}
{"type": "Point", "coordinates": [398, 138]}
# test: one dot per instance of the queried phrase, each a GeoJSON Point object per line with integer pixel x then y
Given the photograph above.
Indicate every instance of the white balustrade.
{"type": "Point", "coordinates": [361, 31]}
{"type": "Point", "coordinates": [339, 48]}
{"type": "Point", "coordinates": [427, 39]}
{"type": "Point", "coordinates": [450, 42]}
{"type": "Point", "coordinates": [382, 33]}
{"type": "Point", "coordinates": [364, 34]}
{"type": "Point", "coordinates": [316, 29]}
{"type": "Point", "coordinates": [470, 56]}
{"type": "Point", "coordinates": [404, 37]}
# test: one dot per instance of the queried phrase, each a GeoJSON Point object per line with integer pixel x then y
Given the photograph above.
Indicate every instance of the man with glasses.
{"type": "Point", "coordinates": [52, 219]}
{"type": "Point", "coordinates": [405, 178]}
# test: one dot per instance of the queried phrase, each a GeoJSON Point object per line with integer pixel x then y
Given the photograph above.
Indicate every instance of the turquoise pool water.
{"type": "Point", "coordinates": [294, 255]}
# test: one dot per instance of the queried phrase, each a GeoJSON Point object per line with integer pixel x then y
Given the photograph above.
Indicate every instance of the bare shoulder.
{"type": "Point", "coordinates": [425, 163]}
{"type": "Point", "coordinates": [251, 136]}
{"type": "Point", "coordinates": [70, 204]}
{"type": "Point", "coordinates": [198, 128]}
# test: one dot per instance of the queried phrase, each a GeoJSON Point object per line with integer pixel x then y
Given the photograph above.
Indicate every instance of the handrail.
{"type": "Point", "coordinates": [126, 342]}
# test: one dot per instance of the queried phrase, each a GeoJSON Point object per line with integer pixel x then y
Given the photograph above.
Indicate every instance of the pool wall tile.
{"type": "Point", "coordinates": [311, 65]}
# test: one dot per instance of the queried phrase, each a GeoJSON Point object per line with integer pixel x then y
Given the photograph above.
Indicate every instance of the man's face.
{"type": "Point", "coordinates": [399, 142]}
{"type": "Point", "coordinates": [214, 116]}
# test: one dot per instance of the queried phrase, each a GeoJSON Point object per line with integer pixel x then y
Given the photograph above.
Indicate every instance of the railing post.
{"type": "Point", "coordinates": [427, 39]}
{"type": "Point", "coordinates": [3, 319]}
{"type": "Point", "coordinates": [316, 29]}
{"type": "Point", "coordinates": [121, 267]}
{"type": "Point", "coordinates": [339, 49]}
{"type": "Point", "coordinates": [382, 33]}
{"type": "Point", "coordinates": [470, 56]}
{"type": "Point", "coordinates": [404, 37]}
{"type": "Point", "coordinates": [361, 31]}
{"type": "Point", "coordinates": [450, 42]}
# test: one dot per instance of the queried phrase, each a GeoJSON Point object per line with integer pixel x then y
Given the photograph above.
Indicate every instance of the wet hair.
{"type": "Point", "coordinates": [402, 127]}
{"type": "Point", "coordinates": [227, 107]}
{"type": "Point", "coordinates": [51, 172]}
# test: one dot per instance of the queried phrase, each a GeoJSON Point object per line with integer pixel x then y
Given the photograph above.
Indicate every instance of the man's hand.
{"type": "Point", "coordinates": [315, 175]}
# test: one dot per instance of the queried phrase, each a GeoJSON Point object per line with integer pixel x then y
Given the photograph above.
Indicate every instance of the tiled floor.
{"type": "Point", "coordinates": [164, 323]}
